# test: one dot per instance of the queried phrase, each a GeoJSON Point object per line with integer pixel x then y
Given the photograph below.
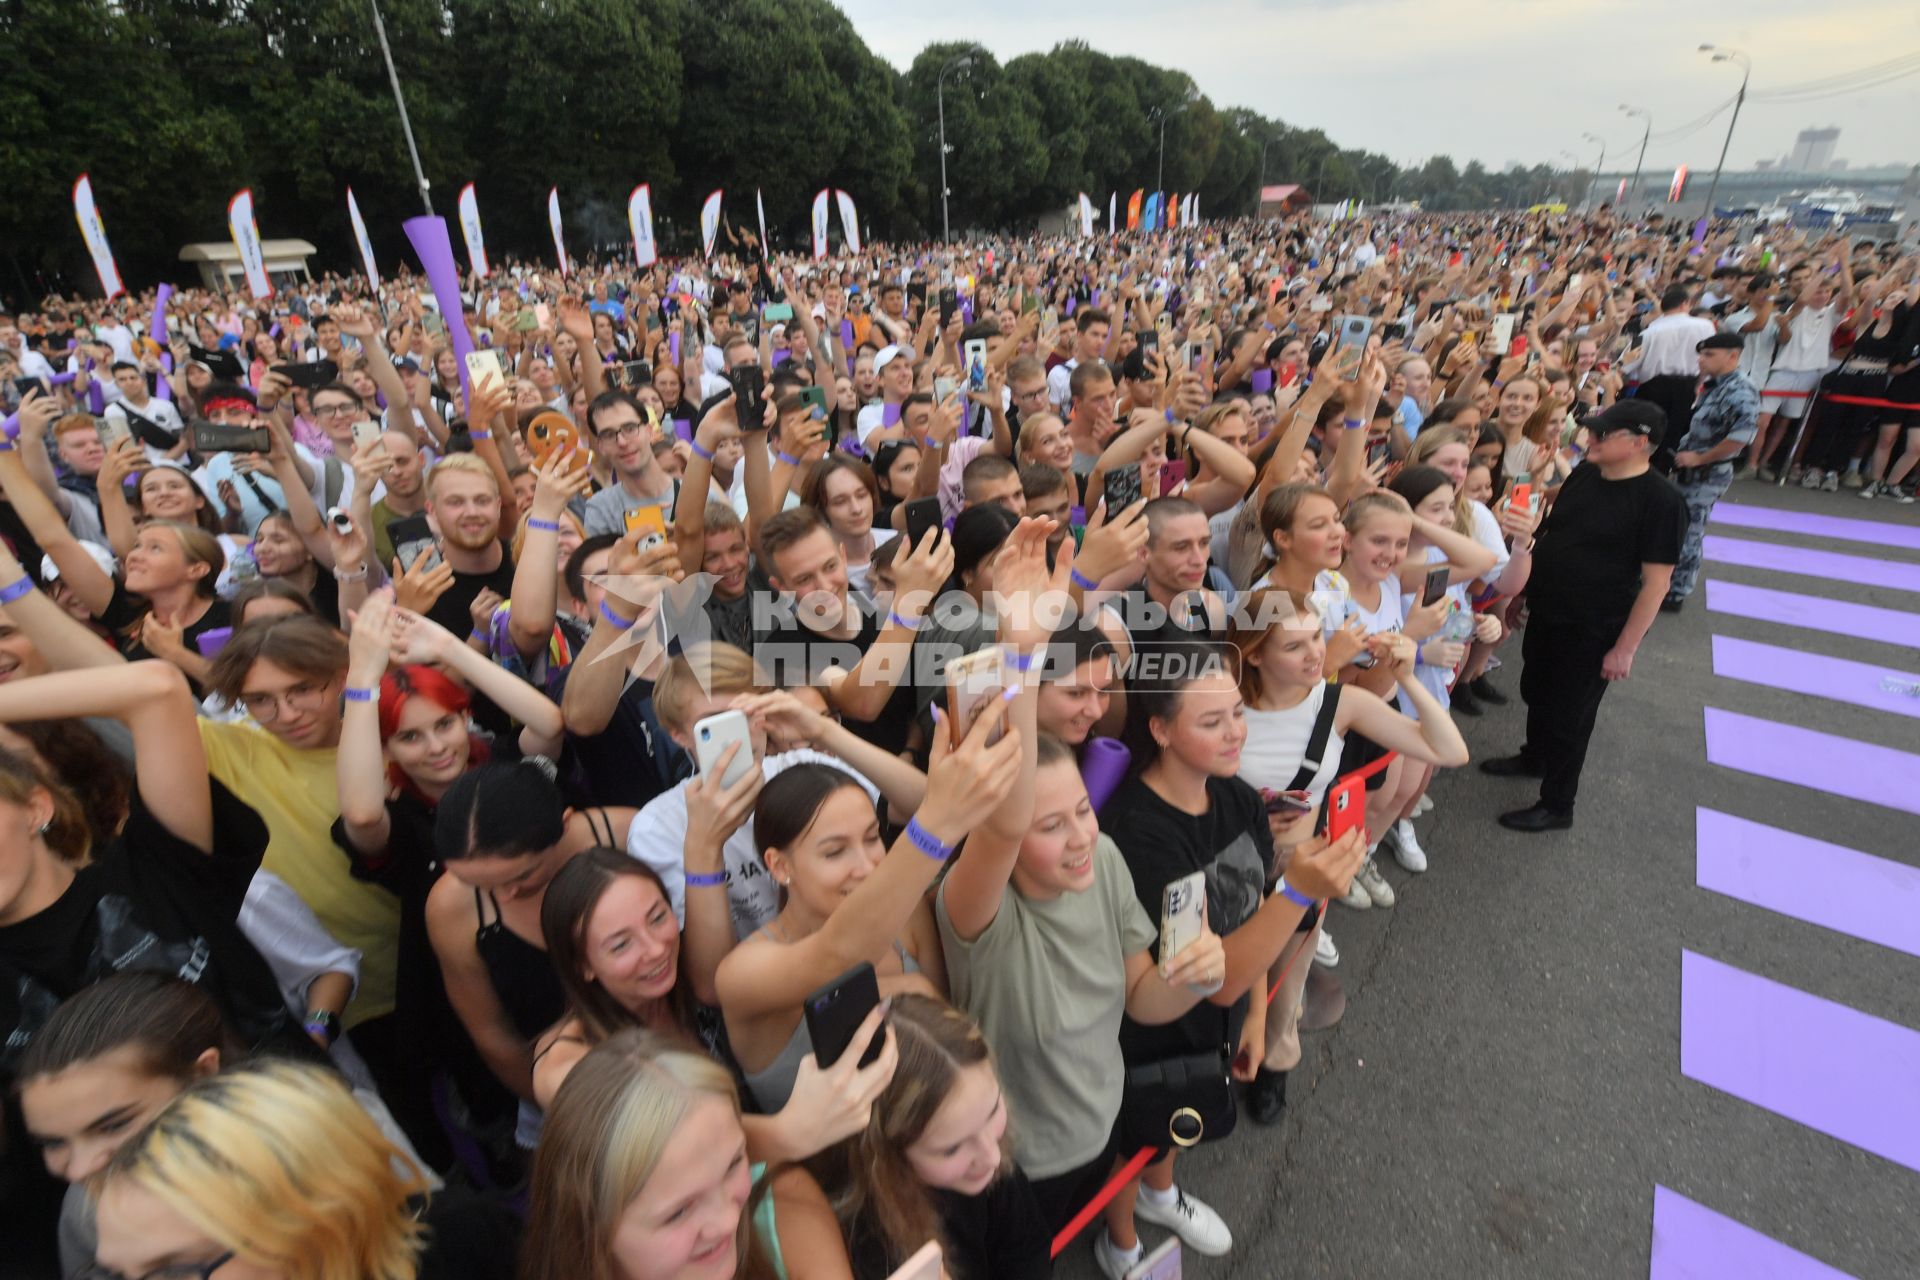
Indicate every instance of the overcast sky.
{"type": "Point", "coordinates": [1488, 80]}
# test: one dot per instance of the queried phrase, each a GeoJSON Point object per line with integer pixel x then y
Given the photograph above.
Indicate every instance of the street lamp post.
{"type": "Point", "coordinates": [940, 101]}
{"type": "Point", "coordinates": [419, 176]}
{"type": "Point", "coordinates": [1633, 192]}
{"type": "Point", "coordinates": [1746, 70]}
{"type": "Point", "coordinates": [1600, 165]}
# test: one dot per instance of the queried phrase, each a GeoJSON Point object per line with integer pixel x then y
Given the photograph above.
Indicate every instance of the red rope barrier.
{"type": "Point", "coordinates": [1144, 1156]}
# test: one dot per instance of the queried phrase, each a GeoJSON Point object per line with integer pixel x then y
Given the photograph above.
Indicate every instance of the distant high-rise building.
{"type": "Point", "coordinates": [1813, 150]}
{"type": "Point", "coordinates": [1761, 166]}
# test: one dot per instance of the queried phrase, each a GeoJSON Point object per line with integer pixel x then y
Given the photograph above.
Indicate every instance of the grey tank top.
{"type": "Point", "coordinates": [772, 1085]}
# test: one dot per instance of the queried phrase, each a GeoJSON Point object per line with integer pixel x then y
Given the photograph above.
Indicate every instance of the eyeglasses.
{"type": "Point", "coordinates": [333, 410]}
{"type": "Point", "coordinates": [172, 1271]}
{"type": "Point", "coordinates": [612, 434]}
{"type": "Point", "coordinates": [265, 707]}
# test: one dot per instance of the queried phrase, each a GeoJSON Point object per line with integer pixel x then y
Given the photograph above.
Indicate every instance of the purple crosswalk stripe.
{"type": "Point", "coordinates": [1842, 1072]}
{"type": "Point", "coordinates": [1863, 685]}
{"type": "Point", "coordinates": [1884, 533]}
{"type": "Point", "coordinates": [1832, 565]}
{"type": "Point", "coordinates": [1813, 613]}
{"type": "Point", "coordinates": [1830, 885]}
{"type": "Point", "coordinates": [1692, 1242]}
{"type": "Point", "coordinates": [1808, 758]}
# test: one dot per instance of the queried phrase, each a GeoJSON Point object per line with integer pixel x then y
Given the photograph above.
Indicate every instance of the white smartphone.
{"type": "Point", "coordinates": [924, 1265]}
{"type": "Point", "coordinates": [1162, 1264]}
{"type": "Point", "coordinates": [1183, 915]}
{"type": "Point", "coordinates": [482, 364]}
{"type": "Point", "coordinates": [1500, 341]}
{"type": "Point", "coordinates": [366, 431]}
{"type": "Point", "coordinates": [113, 428]}
{"type": "Point", "coordinates": [974, 680]}
{"type": "Point", "coordinates": [974, 356]}
{"type": "Point", "coordinates": [713, 735]}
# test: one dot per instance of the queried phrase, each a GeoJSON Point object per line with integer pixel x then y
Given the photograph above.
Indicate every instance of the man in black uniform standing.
{"type": "Point", "coordinates": [1601, 567]}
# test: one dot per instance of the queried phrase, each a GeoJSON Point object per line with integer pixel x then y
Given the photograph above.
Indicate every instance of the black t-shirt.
{"type": "Point", "coordinates": [787, 650]}
{"type": "Point", "coordinates": [1597, 534]}
{"type": "Point", "coordinates": [148, 901]}
{"type": "Point", "coordinates": [454, 611]}
{"type": "Point", "coordinates": [629, 762]}
{"type": "Point", "coordinates": [124, 613]}
{"type": "Point", "coordinates": [996, 1235]}
{"type": "Point", "coordinates": [1233, 845]}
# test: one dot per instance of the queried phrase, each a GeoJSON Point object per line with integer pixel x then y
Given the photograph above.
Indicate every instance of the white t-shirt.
{"type": "Point", "coordinates": [160, 413]}
{"type": "Point", "coordinates": [1060, 386]}
{"type": "Point", "coordinates": [1809, 350]}
{"type": "Point", "coordinates": [658, 838]}
{"type": "Point", "coordinates": [1276, 746]}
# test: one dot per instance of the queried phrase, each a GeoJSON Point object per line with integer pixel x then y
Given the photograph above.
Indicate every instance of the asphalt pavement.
{"type": "Point", "coordinates": [1505, 1090]}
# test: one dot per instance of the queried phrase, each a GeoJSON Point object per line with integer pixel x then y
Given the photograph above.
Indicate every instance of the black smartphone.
{"type": "Point", "coordinates": [1436, 585]}
{"type": "Point", "coordinates": [634, 374]}
{"type": "Point", "coordinates": [923, 514]}
{"type": "Point", "coordinates": [834, 1014]}
{"type": "Point", "coordinates": [1121, 488]}
{"type": "Point", "coordinates": [25, 385]}
{"type": "Point", "coordinates": [310, 375]}
{"type": "Point", "coordinates": [949, 303]}
{"type": "Point", "coordinates": [221, 364]}
{"type": "Point", "coordinates": [1149, 339]}
{"type": "Point", "coordinates": [412, 535]}
{"type": "Point", "coordinates": [1395, 332]}
{"type": "Point", "coordinates": [750, 396]}
{"type": "Point", "coordinates": [209, 437]}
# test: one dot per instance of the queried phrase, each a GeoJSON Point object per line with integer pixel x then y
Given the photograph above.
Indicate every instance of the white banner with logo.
{"type": "Point", "coordinates": [559, 240]}
{"type": "Point", "coordinates": [849, 221]}
{"type": "Point", "coordinates": [820, 223]}
{"type": "Point", "coordinates": [640, 222]}
{"type": "Point", "coordinates": [470, 228]}
{"type": "Point", "coordinates": [360, 238]}
{"type": "Point", "coordinates": [95, 234]}
{"type": "Point", "coordinates": [246, 238]}
{"type": "Point", "coordinates": [710, 221]}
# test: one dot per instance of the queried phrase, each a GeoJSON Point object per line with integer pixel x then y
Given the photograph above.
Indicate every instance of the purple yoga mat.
{"type": "Point", "coordinates": [1883, 532]}
{"type": "Point", "coordinates": [1879, 688]}
{"type": "Point", "coordinates": [1845, 1073]}
{"type": "Point", "coordinates": [1825, 884]}
{"type": "Point", "coordinates": [1837, 617]}
{"type": "Point", "coordinates": [1692, 1242]}
{"type": "Point", "coordinates": [1832, 565]}
{"type": "Point", "coordinates": [1808, 758]}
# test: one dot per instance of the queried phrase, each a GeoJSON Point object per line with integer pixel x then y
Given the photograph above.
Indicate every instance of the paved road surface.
{"type": "Point", "coordinates": [1505, 1092]}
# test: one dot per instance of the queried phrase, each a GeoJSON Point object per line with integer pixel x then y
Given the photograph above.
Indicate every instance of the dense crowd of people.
{"type": "Point", "coordinates": [769, 763]}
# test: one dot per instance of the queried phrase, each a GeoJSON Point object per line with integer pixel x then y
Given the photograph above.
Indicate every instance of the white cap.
{"type": "Point", "coordinates": [886, 357]}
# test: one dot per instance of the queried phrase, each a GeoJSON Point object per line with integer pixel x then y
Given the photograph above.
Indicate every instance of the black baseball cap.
{"type": "Point", "coordinates": [1722, 342]}
{"type": "Point", "coordinates": [1641, 417]}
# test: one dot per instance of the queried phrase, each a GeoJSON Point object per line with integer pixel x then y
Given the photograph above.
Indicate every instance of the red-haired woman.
{"type": "Point", "coordinates": [404, 739]}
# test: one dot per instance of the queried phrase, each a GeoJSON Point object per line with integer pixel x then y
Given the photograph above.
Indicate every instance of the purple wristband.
{"type": "Point", "coordinates": [16, 590]}
{"type": "Point", "coordinates": [1081, 580]}
{"type": "Point", "coordinates": [359, 695]}
{"type": "Point", "coordinates": [1292, 894]}
{"type": "Point", "coordinates": [706, 879]}
{"type": "Point", "coordinates": [926, 842]}
{"type": "Point", "coordinates": [544, 526]}
{"type": "Point", "coordinates": [619, 623]}
{"type": "Point", "coordinates": [698, 452]}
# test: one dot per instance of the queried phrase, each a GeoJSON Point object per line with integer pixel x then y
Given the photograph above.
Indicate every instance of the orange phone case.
{"type": "Point", "coordinates": [648, 518]}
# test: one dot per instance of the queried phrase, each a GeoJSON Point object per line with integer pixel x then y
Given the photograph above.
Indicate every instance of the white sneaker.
{"type": "Point", "coordinates": [1197, 1225]}
{"type": "Point", "coordinates": [1853, 480]}
{"type": "Point", "coordinates": [1406, 847]}
{"type": "Point", "coordinates": [1424, 805]}
{"type": "Point", "coordinates": [1325, 954]}
{"type": "Point", "coordinates": [1831, 484]}
{"type": "Point", "coordinates": [1114, 1265]}
{"type": "Point", "coordinates": [1810, 480]}
{"type": "Point", "coordinates": [1357, 898]}
{"type": "Point", "coordinates": [1871, 489]}
{"type": "Point", "coordinates": [1377, 887]}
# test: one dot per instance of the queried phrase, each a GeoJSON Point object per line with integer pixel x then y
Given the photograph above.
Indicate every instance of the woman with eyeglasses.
{"type": "Point", "coordinates": [269, 1171]}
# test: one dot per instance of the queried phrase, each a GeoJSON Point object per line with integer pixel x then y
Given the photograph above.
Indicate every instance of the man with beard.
{"type": "Point", "coordinates": [463, 508]}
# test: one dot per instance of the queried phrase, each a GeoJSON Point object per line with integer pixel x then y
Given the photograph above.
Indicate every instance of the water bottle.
{"type": "Point", "coordinates": [1458, 628]}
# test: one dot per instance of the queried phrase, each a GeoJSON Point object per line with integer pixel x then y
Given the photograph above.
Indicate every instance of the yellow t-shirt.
{"type": "Point", "coordinates": [297, 795]}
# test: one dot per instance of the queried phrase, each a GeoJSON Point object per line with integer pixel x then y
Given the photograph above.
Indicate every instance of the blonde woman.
{"type": "Point", "coordinates": [643, 1174]}
{"type": "Point", "coordinates": [271, 1171]}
